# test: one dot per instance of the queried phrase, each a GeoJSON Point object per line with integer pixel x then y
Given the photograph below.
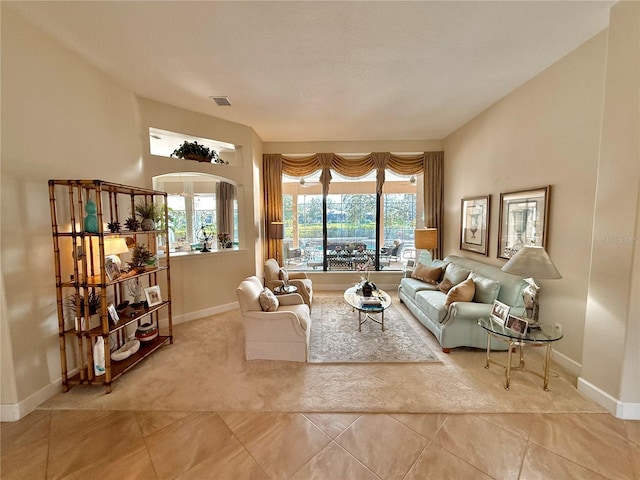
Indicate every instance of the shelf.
{"type": "Point", "coordinates": [127, 319]}
{"type": "Point", "coordinates": [94, 281]}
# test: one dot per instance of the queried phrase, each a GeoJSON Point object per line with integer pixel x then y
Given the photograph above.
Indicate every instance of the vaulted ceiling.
{"type": "Point", "coordinates": [316, 70]}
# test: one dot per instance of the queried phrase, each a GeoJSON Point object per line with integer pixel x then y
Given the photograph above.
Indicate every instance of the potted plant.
{"type": "Point", "coordinates": [75, 301]}
{"type": "Point", "coordinates": [141, 256]}
{"type": "Point", "coordinates": [150, 213]}
{"type": "Point", "coordinates": [196, 151]}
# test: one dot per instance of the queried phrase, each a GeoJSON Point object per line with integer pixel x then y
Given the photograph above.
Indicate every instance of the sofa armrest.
{"type": "Point", "coordinates": [471, 310]}
{"type": "Point", "coordinates": [290, 299]}
{"type": "Point", "coordinates": [273, 326]}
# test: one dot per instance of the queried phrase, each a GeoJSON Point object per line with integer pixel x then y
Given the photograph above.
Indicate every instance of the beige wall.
{"type": "Point", "coordinates": [545, 132]}
{"type": "Point", "coordinates": [63, 118]}
{"type": "Point", "coordinates": [612, 307]}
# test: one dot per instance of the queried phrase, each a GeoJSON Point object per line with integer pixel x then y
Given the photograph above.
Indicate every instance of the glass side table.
{"type": "Point", "coordinates": [283, 290]}
{"type": "Point", "coordinates": [540, 337]}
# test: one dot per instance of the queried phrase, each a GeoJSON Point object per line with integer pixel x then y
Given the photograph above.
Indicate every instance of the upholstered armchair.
{"type": "Point", "coordinates": [274, 276]}
{"type": "Point", "coordinates": [281, 334]}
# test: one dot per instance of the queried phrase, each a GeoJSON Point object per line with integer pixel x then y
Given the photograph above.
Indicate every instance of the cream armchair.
{"type": "Point", "coordinates": [273, 277]}
{"type": "Point", "coordinates": [279, 335]}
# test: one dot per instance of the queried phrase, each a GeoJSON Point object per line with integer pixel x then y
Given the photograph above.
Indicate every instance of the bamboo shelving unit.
{"type": "Point", "coordinates": [79, 258]}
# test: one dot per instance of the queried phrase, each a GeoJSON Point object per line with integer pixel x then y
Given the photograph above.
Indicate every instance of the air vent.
{"type": "Point", "coordinates": [221, 101]}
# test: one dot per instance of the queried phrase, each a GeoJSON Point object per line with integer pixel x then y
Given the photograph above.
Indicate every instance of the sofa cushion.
{"type": "Point", "coordinates": [445, 285]}
{"type": "Point", "coordinates": [456, 274]}
{"type": "Point", "coordinates": [268, 301]}
{"type": "Point", "coordinates": [432, 303]}
{"type": "Point", "coordinates": [487, 289]}
{"type": "Point", "coordinates": [463, 292]}
{"type": "Point", "coordinates": [427, 274]}
{"type": "Point", "coordinates": [411, 286]}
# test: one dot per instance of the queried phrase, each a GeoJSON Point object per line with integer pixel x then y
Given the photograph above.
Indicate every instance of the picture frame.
{"type": "Point", "coordinates": [112, 269]}
{"type": "Point", "coordinates": [474, 224]}
{"type": "Point", "coordinates": [113, 313]}
{"type": "Point", "coordinates": [500, 312]}
{"type": "Point", "coordinates": [523, 220]}
{"type": "Point", "coordinates": [517, 324]}
{"type": "Point", "coordinates": [153, 295]}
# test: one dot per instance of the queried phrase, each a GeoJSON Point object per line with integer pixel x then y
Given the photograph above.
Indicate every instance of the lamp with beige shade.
{"type": "Point", "coordinates": [425, 239]}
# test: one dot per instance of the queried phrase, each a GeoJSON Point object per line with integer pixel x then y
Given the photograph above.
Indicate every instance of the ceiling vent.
{"type": "Point", "coordinates": [221, 101]}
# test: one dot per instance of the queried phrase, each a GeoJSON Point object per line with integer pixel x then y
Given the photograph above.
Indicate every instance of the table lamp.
{"type": "Point", "coordinates": [531, 261]}
{"type": "Point", "coordinates": [425, 239]}
{"type": "Point", "coordinates": [276, 232]}
{"type": "Point", "coordinates": [113, 247]}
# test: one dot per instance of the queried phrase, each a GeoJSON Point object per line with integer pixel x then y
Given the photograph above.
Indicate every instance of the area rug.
{"type": "Point", "coordinates": [335, 337]}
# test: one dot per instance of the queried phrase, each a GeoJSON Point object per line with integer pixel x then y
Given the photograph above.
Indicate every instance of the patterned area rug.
{"type": "Point", "coordinates": [335, 337]}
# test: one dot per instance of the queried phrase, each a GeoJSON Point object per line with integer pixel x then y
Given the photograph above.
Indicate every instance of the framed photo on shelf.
{"type": "Point", "coordinates": [517, 324]}
{"type": "Point", "coordinates": [474, 224]}
{"type": "Point", "coordinates": [113, 313]}
{"type": "Point", "coordinates": [111, 268]}
{"type": "Point", "coordinates": [523, 220]}
{"type": "Point", "coordinates": [500, 312]}
{"type": "Point", "coordinates": [153, 295]}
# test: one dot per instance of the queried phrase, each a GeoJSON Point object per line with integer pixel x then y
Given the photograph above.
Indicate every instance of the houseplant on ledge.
{"type": "Point", "coordinates": [150, 213]}
{"type": "Point", "coordinates": [198, 152]}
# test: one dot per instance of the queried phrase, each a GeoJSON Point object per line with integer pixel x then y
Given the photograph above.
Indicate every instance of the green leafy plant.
{"type": "Point", "coordinates": [196, 151]}
{"type": "Point", "coordinates": [140, 257]}
{"type": "Point", "coordinates": [151, 211]}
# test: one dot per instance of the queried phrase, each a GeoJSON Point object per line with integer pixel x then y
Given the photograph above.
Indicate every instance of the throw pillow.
{"type": "Point", "coordinates": [426, 274]}
{"type": "Point", "coordinates": [445, 285]}
{"type": "Point", "coordinates": [487, 289]}
{"type": "Point", "coordinates": [456, 274]}
{"type": "Point", "coordinates": [268, 301]}
{"type": "Point", "coordinates": [463, 292]}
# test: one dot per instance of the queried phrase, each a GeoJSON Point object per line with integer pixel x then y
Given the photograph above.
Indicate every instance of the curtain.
{"type": "Point", "coordinates": [272, 192]}
{"type": "Point", "coordinates": [434, 194]}
{"type": "Point", "coordinates": [225, 197]}
{"type": "Point", "coordinates": [429, 163]}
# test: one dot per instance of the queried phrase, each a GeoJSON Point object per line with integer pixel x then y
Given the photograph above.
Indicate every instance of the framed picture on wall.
{"type": "Point", "coordinates": [523, 220]}
{"type": "Point", "coordinates": [474, 224]}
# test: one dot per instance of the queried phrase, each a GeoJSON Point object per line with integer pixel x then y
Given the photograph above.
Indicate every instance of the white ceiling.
{"type": "Point", "coordinates": [301, 71]}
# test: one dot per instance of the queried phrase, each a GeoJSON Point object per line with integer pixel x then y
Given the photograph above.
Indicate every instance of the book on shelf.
{"type": "Point", "coordinates": [371, 302]}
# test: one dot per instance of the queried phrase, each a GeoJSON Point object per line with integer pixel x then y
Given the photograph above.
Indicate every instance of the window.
{"type": "Point", "coordinates": [200, 207]}
{"type": "Point", "coordinates": [163, 142]}
{"type": "Point", "coordinates": [358, 231]}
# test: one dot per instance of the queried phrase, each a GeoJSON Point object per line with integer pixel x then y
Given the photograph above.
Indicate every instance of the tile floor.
{"type": "Point", "coordinates": [255, 445]}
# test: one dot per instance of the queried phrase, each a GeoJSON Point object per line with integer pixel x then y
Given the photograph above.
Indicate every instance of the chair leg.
{"type": "Point", "coordinates": [446, 350]}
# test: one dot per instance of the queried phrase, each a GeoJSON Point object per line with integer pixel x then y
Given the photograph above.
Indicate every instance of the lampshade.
{"type": "Point", "coordinates": [426, 238]}
{"type": "Point", "coordinates": [114, 246]}
{"type": "Point", "coordinates": [532, 261]}
{"type": "Point", "coordinates": [276, 230]}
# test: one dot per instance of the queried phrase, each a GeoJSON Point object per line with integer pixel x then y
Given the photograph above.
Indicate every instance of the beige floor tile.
{"type": "Point", "coordinates": [333, 424]}
{"type": "Point", "coordinates": [542, 464]}
{"type": "Point", "coordinates": [518, 423]}
{"type": "Point", "coordinates": [231, 462]}
{"type": "Point", "coordinates": [151, 422]}
{"type": "Point", "coordinates": [104, 440]}
{"type": "Point", "coordinates": [488, 447]}
{"type": "Point", "coordinates": [426, 424]}
{"type": "Point", "coordinates": [595, 441]}
{"type": "Point", "coordinates": [135, 465]}
{"type": "Point", "coordinates": [185, 443]}
{"type": "Point", "coordinates": [436, 463]}
{"type": "Point", "coordinates": [633, 431]}
{"type": "Point", "coordinates": [334, 462]}
{"type": "Point", "coordinates": [32, 428]}
{"type": "Point", "coordinates": [281, 443]}
{"type": "Point", "coordinates": [26, 461]}
{"type": "Point", "coordinates": [383, 444]}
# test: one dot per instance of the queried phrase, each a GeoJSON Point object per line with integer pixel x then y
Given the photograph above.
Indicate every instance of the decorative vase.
{"type": "Point", "coordinates": [91, 220]}
{"type": "Point", "coordinates": [148, 224]}
{"type": "Point", "coordinates": [367, 288]}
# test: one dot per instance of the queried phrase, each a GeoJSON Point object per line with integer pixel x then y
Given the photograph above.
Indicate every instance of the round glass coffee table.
{"type": "Point", "coordinates": [376, 304]}
{"type": "Point", "coordinates": [542, 336]}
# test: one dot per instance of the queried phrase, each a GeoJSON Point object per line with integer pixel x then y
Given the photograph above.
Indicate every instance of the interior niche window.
{"type": "Point", "coordinates": [163, 142]}
{"type": "Point", "coordinates": [199, 202]}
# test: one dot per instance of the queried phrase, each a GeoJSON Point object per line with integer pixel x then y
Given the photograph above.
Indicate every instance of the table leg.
{"type": "Point", "coordinates": [382, 321]}
{"type": "Point", "coordinates": [547, 357]}
{"type": "Point", "coordinates": [486, 365]}
{"type": "Point", "coordinates": [507, 370]}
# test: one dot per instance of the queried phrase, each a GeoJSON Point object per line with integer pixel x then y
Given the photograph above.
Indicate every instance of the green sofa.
{"type": "Point", "coordinates": [457, 326]}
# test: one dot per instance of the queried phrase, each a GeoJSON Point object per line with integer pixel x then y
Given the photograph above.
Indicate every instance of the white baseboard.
{"type": "Point", "coordinates": [623, 410]}
{"type": "Point", "coordinates": [567, 363]}
{"type": "Point", "coordinates": [16, 411]}
{"type": "Point", "coordinates": [187, 317]}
